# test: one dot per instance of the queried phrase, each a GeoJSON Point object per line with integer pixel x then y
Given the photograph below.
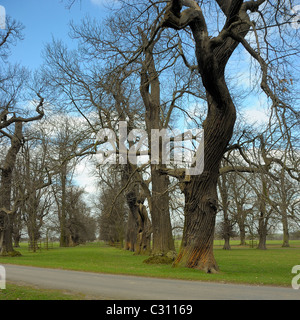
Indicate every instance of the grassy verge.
{"type": "Point", "coordinates": [18, 292]}
{"type": "Point", "coordinates": [239, 265]}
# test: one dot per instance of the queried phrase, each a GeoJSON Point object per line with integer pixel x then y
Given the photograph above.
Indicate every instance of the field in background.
{"type": "Point", "coordinates": [242, 264]}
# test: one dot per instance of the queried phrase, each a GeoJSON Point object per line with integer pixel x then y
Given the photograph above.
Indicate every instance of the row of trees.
{"type": "Point", "coordinates": [36, 191]}
{"type": "Point", "coordinates": [139, 66]}
{"type": "Point", "coordinates": [260, 203]}
{"type": "Point", "coordinates": [252, 204]}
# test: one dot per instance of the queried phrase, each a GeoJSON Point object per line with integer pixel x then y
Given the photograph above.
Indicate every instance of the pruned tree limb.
{"type": "Point", "coordinates": [39, 109]}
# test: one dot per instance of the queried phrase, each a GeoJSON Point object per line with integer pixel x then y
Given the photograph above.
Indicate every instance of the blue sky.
{"type": "Point", "coordinates": [44, 19]}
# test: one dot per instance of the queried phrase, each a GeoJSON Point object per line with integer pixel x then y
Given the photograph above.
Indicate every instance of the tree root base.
{"type": "Point", "coordinates": [211, 270]}
{"type": "Point", "coordinates": [11, 254]}
{"type": "Point", "coordinates": [161, 258]}
{"type": "Point", "coordinates": [158, 260]}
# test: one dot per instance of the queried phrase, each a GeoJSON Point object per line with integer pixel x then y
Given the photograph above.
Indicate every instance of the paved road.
{"type": "Point", "coordinates": [119, 287]}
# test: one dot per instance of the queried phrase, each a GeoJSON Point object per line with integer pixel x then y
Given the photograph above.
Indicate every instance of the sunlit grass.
{"type": "Point", "coordinates": [17, 292]}
{"type": "Point", "coordinates": [239, 265]}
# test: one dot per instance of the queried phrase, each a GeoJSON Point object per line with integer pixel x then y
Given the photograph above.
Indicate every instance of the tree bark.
{"type": "Point", "coordinates": [284, 210]}
{"type": "Point", "coordinates": [286, 236]}
{"type": "Point", "coordinates": [242, 233]}
{"type": "Point", "coordinates": [263, 216]}
{"type": "Point", "coordinates": [6, 215]}
{"type": "Point", "coordinates": [163, 241]}
{"type": "Point", "coordinates": [201, 192]}
{"type": "Point", "coordinates": [132, 223]}
{"type": "Point", "coordinates": [132, 194]}
{"type": "Point", "coordinates": [144, 231]}
{"type": "Point", "coordinates": [226, 226]}
{"type": "Point", "coordinates": [64, 236]}
{"type": "Point", "coordinates": [262, 232]}
{"type": "Point", "coordinates": [200, 211]}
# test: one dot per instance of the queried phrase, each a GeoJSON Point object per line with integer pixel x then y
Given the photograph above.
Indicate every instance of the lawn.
{"type": "Point", "coordinates": [239, 265]}
{"type": "Point", "coordinates": [17, 292]}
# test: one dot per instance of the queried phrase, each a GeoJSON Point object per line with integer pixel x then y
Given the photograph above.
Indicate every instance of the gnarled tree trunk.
{"type": "Point", "coordinates": [6, 214]}
{"type": "Point", "coordinates": [144, 230]}
{"type": "Point", "coordinates": [201, 192]}
{"type": "Point", "coordinates": [212, 56]}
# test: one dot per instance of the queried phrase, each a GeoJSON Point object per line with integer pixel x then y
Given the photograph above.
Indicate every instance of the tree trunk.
{"type": "Point", "coordinates": [263, 218]}
{"type": "Point", "coordinates": [132, 223]}
{"type": "Point", "coordinates": [64, 237]}
{"type": "Point", "coordinates": [262, 232]}
{"type": "Point", "coordinates": [163, 241]}
{"type": "Point", "coordinates": [131, 234]}
{"type": "Point", "coordinates": [262, 244]}
{"type": "Point", "coordinates": [242, 233]}
{"type": "Point", "coordinates": [286, 236]}
{"type": "Point", "coordinates": [144, 231]}
{"type": "Point", "coordinates": [201, 192]}
{"type": "Point", "coordinates": [226, 229]}
{"type": "Point", "coordinates": [200, 211]}
{"type": "Point", "coordinates": [17, 228]}
{"type": "Point", "coordinates": [6, 239]}
{"type": "Point", "coordinates": [227, 242]}
{"type": "Point", "coordinates": [283, 210]}
{"type": "Point", "coordinates": [6, 215]}
{"type": "Point", "coordinates": [131, 199]}
{"type": "Point", "coordinates": [33, 240]}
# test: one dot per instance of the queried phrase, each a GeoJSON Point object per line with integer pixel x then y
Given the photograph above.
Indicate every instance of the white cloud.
{"type": "Point", "coordinates": [84, 178]}
{"type": "Point", "coordinates": [256, 116]}
{"type": "Point", "coordinates": [258, 113]}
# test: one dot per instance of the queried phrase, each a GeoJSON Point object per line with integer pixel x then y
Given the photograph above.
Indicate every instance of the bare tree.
{"type": "Point", "coordinates": [13, 82]}
{"type": "Point", "coordinates": [63, 144]}
{"type": "Point", "coordinates": [32, 180]}
{"type": "Point", "coordinates": [12, 33]}
{"type": "Point", "coordinates": [81, 226]}
{"type": "Point", "coordinates": [213, 53]}
{"type": "Point", "coordinates": [113, 222]}
{"type": "Point", "coordinates": [7, 167]}
{"type": "Point", "coordinates": [227, 222]}
{"type": "Point", "coordinates": [241, 203]}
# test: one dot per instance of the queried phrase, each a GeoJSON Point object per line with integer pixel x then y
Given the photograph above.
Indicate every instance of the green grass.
{"type": "Point", "coordinates": [239, 265]}
{"type": "Point", "coordinates": [18, 292]}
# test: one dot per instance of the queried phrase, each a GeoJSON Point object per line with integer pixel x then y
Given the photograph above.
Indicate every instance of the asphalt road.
{"type": "Point", "coordinates": [117, 287]}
